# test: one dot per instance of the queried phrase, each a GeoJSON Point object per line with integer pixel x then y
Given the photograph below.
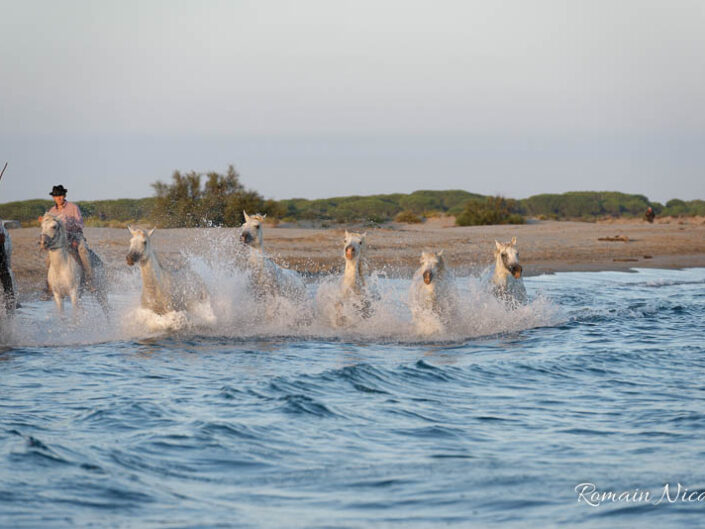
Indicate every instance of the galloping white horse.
{"type": "Point", "coordinates": [7, 278]}
{"type": "Point", "coordinates": [432, 296]}
{"type": "Point", "coordinates": [65, 276]}
{"type": "Point", "coordinates": [163, 290]}
{"type": "Point", "coordinates": [354, 297]}
{"type": "Point", "coordinates": [506, 281]}
{"type": "Point", "coordinates": [268, 278]}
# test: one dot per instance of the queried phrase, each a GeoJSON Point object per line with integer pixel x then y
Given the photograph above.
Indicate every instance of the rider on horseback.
{"type": "Point", "coordinates": [69, 213]}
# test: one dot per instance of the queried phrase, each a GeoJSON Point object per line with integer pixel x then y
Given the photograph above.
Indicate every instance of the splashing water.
{"type": "Point", "coordinates": [234, 311]}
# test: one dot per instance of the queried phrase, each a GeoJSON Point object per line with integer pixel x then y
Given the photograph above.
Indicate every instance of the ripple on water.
{"type": "Point", "coordinates": [265, 424]}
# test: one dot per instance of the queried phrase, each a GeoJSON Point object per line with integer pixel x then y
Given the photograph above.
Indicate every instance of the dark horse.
{"type": "Point", "coordinates": [6, 279]}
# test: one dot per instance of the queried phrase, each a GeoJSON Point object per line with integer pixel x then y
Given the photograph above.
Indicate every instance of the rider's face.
{"type": "Point", "coordinates": [59, 201]}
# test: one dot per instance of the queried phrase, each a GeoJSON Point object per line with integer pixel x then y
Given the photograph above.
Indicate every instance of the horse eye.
{"type": "Point", "coordinates": [504, 254]}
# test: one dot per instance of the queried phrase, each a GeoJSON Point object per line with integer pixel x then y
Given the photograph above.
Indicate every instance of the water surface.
{"type": "Point", "coordinates": [600, 379]}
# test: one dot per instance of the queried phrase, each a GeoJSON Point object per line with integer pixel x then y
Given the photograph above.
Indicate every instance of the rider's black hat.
{"type": "Point", "coordinates": [58, 191]}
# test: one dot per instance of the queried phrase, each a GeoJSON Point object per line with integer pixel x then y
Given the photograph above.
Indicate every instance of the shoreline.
{"type": "Point", "coordinates": [545, 247]}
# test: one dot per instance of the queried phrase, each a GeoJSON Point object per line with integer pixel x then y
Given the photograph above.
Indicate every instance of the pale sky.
{"type": "Point", "coordinates": [323, 98]}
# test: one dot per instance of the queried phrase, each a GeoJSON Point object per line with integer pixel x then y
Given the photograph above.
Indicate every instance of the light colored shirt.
{"type": "Point", "coordinates": [71, 217]}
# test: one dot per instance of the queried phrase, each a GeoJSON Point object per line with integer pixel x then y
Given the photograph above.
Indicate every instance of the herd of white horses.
{"type": "Point", "coordinates": [432, 295]}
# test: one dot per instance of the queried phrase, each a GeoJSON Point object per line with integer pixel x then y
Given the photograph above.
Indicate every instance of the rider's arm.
{"type": "Point", "coordinates": [76, 215]}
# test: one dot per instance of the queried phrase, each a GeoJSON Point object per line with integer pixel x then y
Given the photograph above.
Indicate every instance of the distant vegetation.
{"type": "Point", "coordinates": [376, 208]}
{"type": "Point", "coordinates": [490, 210]}
{"type": "Point", "coordinates": [215, 199]}
{"type": "Point", "coordinates": [587, 205]}
{"type": "Point", "coordinates": [408, 217]}
{"type": "Point", "coordinates": [219, 202]}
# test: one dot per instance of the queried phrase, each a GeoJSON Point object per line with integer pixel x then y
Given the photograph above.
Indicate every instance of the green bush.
{"type": "Point", "coordinates": [680, 208]}
{"type": "Point", "coordinates": [185, 203]}
{"type": "Point", "coordinates": [490, 210]}
{"type": "Point", "coordinates": [586, 204]}
{"type": "Point", "coordinates": [408, 217]}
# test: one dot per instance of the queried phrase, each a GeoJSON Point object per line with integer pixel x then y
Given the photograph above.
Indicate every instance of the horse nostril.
{"type": "Point", "coordinates": [516, 271]}
{"type": "Point", "coordinates": [427, 277]}
{"type": "Point", "coordinates": [349, 251]}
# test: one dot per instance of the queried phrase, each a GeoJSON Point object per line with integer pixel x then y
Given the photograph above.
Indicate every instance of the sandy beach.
{"type": "Point", "coordinates": [545, 246]}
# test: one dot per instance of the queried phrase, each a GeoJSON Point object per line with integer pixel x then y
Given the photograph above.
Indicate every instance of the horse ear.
{"type": "Point", "coordinates": [150, 232]}
{"type": "Point", "coordinates": [514, 241]}
{"type": "Point", "coordinates": [363, 236]}
{"type": "Point", "coordinates": [499, 245]}
{"type": "Point", "coordinates": [264, 216]}
{"type": "Point", "coordinates": [347, 235]}
{"type": "Point", "coordinates": [247, 217]}
{"type": "Point", "coordinates": [440, 254]}
{"type": "Point", "coordinates": [132, 230]}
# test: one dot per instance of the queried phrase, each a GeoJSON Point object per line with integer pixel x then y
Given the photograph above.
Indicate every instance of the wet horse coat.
{"type": "Point", "coordinates": [163, 290]}
{"type": "Point", "coordinates": [354, 298]}
{"type": "Point", "coordinates": [507, 284]}
{"type": "Point", "coordinates": [268, 278]}
{"type": "Point", "coordinates": [65, 275]}
{"type": "Point", "coordinates": [432, 295]}
{"type": "Point", "coordinates": [7, 278]}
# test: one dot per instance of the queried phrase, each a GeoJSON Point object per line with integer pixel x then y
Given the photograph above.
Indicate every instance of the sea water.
{"type": "Point", "coordinates": [241, 418]}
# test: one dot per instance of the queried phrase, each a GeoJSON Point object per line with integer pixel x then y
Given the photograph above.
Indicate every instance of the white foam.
{"type": "Point", "coordinates": [233, 311]}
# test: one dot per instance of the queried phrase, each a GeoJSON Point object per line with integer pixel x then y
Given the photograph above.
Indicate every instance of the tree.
{"type": "Point", "coordinates": [219, 202]}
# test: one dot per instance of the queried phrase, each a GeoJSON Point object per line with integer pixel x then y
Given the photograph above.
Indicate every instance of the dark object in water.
{"type": "Point", "coordinates": [625, 260]}
{"type": "Point", "coordinates": [6, 278]}
{"type": "Point", "coordinates": [648, 257]}
{"type": "Point", "coordinates": [616, 238]}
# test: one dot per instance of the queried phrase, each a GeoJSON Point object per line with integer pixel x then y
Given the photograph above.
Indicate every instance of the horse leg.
{"type": "Point", "coordinates": [74, 302]}
{"type": "Point", "coordinates": [103, 300]}
{"type": "Point", "coordinates": [339, 319]}
{"type": "Point", "coordinates": [58, 298]}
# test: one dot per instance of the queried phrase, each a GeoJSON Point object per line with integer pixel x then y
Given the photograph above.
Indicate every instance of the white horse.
{"type": "Point", "coordinates": [432, 296]}
{"type": "Point", "coordinates": [65, 275]}
{"type": "Point", "coordinates": [507, 284]}
{"type": "Point", "coordinates": [163, 290]}
{"type": "Point", "coordinates": [354, 298]}
{"type": "Point", "coordinates": [7, 278]}
{"type": "Point", "coordinates": [268, 278]}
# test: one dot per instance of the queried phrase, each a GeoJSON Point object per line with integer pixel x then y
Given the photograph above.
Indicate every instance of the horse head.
{"type": "Point", "coordinates": [354, 245]}
{"type": "Point", "coordinates": [251, 230]}
{"type": "Point", "coordinates": [432, 266]}
{"type": "Point", "coordinates": [53, 233]}
{"type": "Point", "coordinates": [140, 245]}
{"type": "Point", "coordinates": [509, 256]}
